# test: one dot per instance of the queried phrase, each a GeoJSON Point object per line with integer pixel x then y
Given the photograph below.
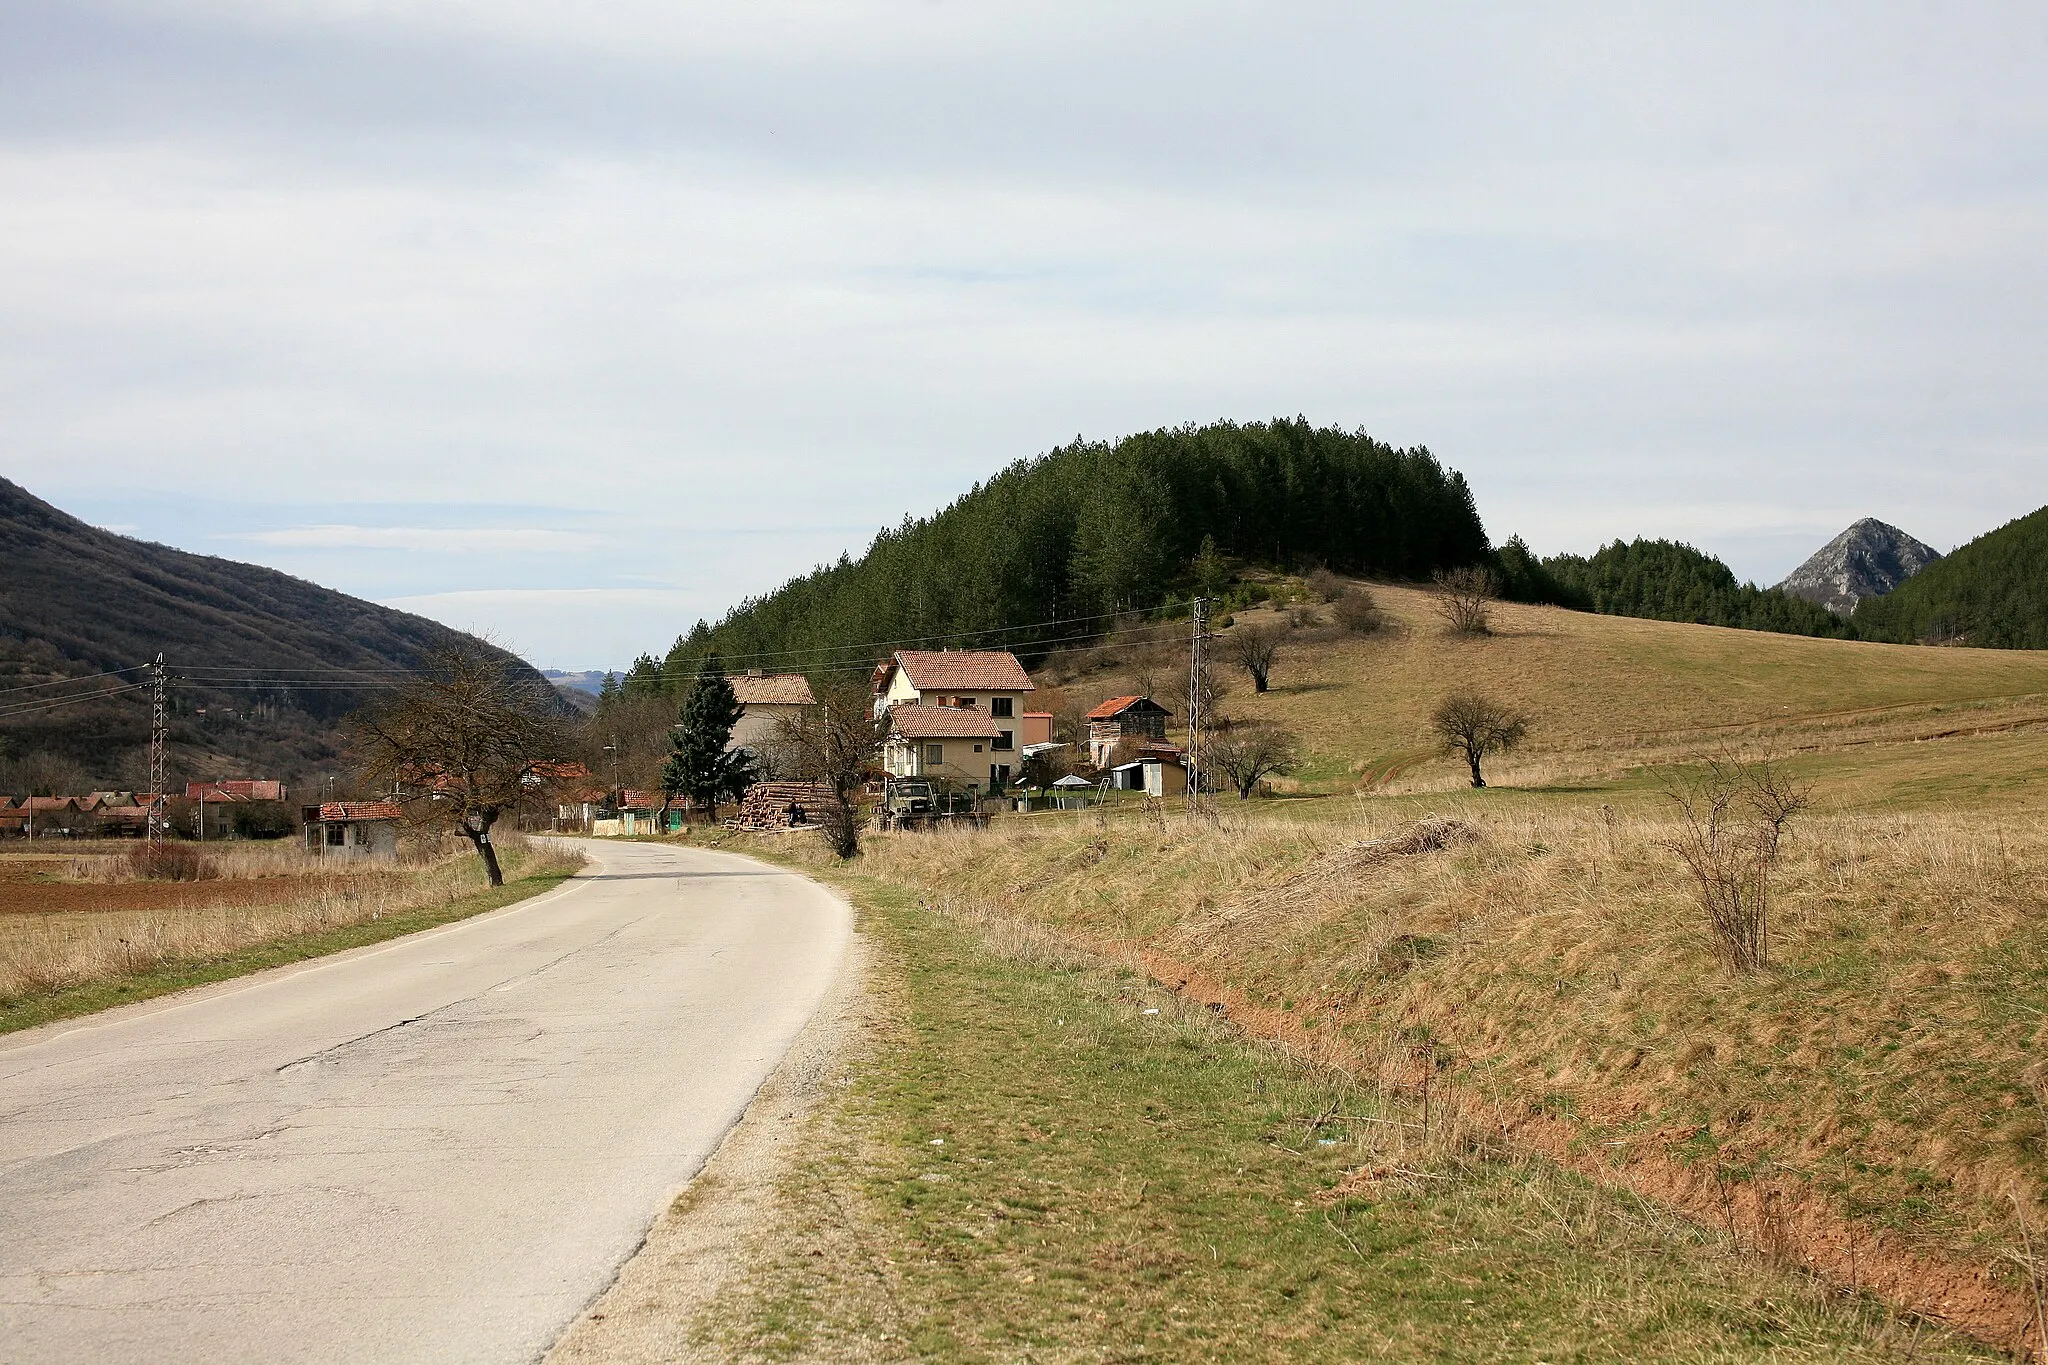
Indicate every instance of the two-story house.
{"type": "Point", "coordinates": [1119, 719]}
{"type": "Point", "coordinates": [954, 715]}
{"type": "Point", "coordinates": [766, 701]}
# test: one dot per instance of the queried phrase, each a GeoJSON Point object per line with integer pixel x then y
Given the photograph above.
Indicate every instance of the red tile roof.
{"type": "Point", "coordinates": [941, 722]}
{"type": "Point", "coordinates": [361, 810]}
{"type": "Point", "coordinates": [961, 670]}
{"type": "Point", "coordinates": [774, 689]}
{"type": "Point", "coordinates": [1116, 706]}
{"type": "Point", "coordinates": [239, 789]}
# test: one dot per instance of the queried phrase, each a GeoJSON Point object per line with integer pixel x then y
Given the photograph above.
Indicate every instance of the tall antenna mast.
{"type": "Point", "coordinates": [158, 737]}
{"type": "Point", "coordinates": [1195, 716]}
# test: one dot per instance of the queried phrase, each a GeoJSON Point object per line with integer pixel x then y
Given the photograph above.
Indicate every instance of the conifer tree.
{"type": "Point", "coordinates": [699, 765]}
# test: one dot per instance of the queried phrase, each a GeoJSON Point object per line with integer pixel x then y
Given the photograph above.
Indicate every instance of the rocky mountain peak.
{"type": "Point", "coordinates": [1867, 560]}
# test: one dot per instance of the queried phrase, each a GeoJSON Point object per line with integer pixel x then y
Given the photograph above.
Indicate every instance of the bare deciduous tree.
{"type": "Point", "coordinates": [836, 743]}
{"type": "Point", "coordinates": [1473, 726]}
{"type": "Point", "coordinates": [462, 745]}
{"type": "Point", "coordinates": [1254, 647]}
{"type": "Point", "coordinates": [1249, 753]}
{"type": "Point", "coordinates": [1464, 599]}
{"type": "Point", "coordinates": [1734, 812]}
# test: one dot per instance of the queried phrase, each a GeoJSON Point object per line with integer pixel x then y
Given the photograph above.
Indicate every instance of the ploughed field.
{"type": "Point", "coordinates": [80, 929]}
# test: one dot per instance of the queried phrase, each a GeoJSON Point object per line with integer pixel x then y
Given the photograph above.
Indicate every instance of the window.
{"type": "Point", "coordinates": [935, 754]}
{"type": "Point", "coordinates": [999, 707]}
{"type": "Point", "coordinates": [977, 748]}
{"type": "Point", "coordinates": [1004, 742]}
{"type": "Point", "coordinates": [335, 834]}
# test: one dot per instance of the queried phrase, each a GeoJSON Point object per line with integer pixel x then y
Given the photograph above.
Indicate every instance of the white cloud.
{"type": "Point", "coordinates": [666, 271]}
{"type": "Point", "coordinates": [428, 539]}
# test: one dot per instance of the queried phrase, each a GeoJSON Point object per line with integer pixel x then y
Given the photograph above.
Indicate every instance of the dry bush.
{"type": "Point", "coordinates": [1733, 814]}
{"type": "Point", "coordinates": [170, 862]}
{"type": "Point", "coordinates": [1359, 612]}
{"type": "Point", "coordinates": [1325, 586]}
{"type": "Point", "coordinates": [1464, 599]}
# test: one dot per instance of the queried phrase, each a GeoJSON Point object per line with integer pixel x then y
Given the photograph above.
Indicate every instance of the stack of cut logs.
{"type": "Point", "coordinates": [781, 805]}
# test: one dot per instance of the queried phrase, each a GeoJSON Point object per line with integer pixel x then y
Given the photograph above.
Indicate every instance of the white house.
{"type": "Point", "coordinates": [954, 714]}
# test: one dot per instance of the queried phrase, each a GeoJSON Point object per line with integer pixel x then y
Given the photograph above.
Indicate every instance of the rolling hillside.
{"type": "Point", "coordinates": [266, 663]}
{"type": "Point", "coordinates": [1539, 977]}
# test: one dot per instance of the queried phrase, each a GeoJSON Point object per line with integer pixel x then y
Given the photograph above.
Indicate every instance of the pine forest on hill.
{"type": "Point", "coordinates": [1095, 528]}
{"type": "Point", "coordinates": [1991, 592]}
{"type": "Point", "coordinates": [1663, 580]}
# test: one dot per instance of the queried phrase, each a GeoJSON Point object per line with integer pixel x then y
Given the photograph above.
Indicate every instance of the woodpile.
{"type": "Point", "coordinates": [770, 806]}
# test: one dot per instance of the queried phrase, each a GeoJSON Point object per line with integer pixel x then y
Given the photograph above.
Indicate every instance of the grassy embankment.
{"type": "Point", "coordinates": [1873, 1106]}
{"type": "Point", "coordinates": [79, 933]}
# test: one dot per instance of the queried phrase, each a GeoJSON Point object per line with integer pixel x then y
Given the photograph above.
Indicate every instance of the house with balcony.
{"type": "Point", "coordinates": [955, 715]}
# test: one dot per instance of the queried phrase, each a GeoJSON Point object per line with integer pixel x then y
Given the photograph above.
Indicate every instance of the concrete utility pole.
{"type": "Point", "coordinates": [159, 738]}
{"type": "Point", "coordinates": [1195, 716]}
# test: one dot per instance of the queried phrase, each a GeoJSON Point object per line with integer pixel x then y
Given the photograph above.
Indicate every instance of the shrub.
{"type": "Point", "coordinates": [1359, 612]}
{"type": "Point", "coordinates": [1326, 586]}
{"type": "Point", "coordinates": [171, 863]}
{"type": "Point", "coordinates": [1735, 813]}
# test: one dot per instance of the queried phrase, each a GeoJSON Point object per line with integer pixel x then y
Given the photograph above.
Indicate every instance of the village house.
{"type": "Point", "coordinates": [766, 700]}
{"type": "Point", "coordinates": [353, 829]}
{"type": "Point", "coordinates": [1136, 719]}
{"type": "Point", "coordinates": [954, 715]}
{"type": "Point", "coordinates": [228, 791]}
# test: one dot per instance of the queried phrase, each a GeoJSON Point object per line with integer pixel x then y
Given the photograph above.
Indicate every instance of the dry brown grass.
{"type": "Point", "coordinates": [1890, 1060]}
{"type": "Point", "coordinates": [1606, 693]}
{"type": "Point", "coordinates": [44, 951]}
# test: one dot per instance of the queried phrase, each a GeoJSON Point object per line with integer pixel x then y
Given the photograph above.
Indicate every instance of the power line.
{"type": "Point", "coordinates": [83, 677]}
{"type": "Point", "coordinates": [58, 703]}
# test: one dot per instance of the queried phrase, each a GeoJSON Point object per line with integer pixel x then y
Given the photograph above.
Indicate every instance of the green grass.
{"type": "Point", "coordinates": [180, 974]}
{"type": "Point", "coordinates": [1029, 1163]}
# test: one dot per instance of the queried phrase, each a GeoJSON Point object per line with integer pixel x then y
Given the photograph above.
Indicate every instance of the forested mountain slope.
{"type": "Point", "coordinates": [1993, 591]}
{"type": "Point", "coordinates": [1096, 527]}
{"type": "Point", "coordinates": [1666, 581]}
{"type": "Point", "coordinates": [267, 663]}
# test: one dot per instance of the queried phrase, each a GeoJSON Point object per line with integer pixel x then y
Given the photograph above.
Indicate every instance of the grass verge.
{"type": "Point", "coordinates": [1042, 1155]}
{"type": "Point", "coordinates": [88, 997]}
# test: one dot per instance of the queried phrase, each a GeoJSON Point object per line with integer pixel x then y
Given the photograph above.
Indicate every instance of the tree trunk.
{"type": "Point", "coordinates": [1258, 680]}
{"type": "Point", "coordinates": [479, 837]}
{"type": "Point", "coordinates": [1472, 757]}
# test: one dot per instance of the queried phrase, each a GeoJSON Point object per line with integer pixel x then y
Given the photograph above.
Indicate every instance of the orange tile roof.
{"type": "Point", "coordinates": [1116, 706]}
{"type": "Point", "coordinates": [773, 689]}
{"type": "Point", "coordinates": [361, 810]}
{"type": "Point", "coordinates": [941, 722]}
{"type": "Point", "coordinates": [962, 670]}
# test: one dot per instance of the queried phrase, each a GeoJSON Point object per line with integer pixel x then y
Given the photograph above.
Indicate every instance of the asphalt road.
{"type": "Point", "coordinates": [437, 1149]}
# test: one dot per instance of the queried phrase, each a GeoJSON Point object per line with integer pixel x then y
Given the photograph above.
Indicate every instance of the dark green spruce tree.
{"type": "Point", "coordinates": [699, 764]}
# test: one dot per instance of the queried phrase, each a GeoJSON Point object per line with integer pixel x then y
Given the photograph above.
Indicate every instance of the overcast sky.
{"type": "Point", "coordinates": [578, 321]}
